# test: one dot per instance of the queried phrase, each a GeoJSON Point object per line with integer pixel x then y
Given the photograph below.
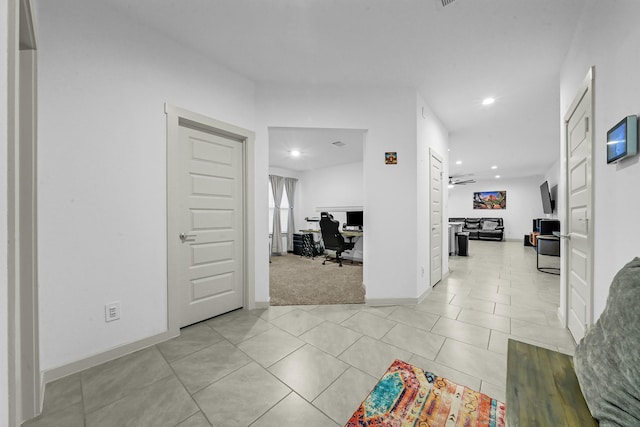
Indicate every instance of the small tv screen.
{"type": "Point", "coordinates": [355, 218]}
{"type": "Point", "coordinates": [622, 139]}
{"type": "Point", "coordinates": [547, 204]}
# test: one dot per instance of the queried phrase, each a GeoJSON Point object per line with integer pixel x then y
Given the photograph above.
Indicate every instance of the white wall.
{"type": "Point", "coordinates": [607, 38]}
{"type": "Point", "coordinates": [431, 133]}
{"type": "Point", "coordinates": [330, 186]}
{"type": "Point", "coordinates": [103, 82]}
{"type": "Point", "coordinates": [389, 191]}
{"type": "Point", "coordinates": [4, 307]}
{"type": "Point", "coordinates": [341, 185]}
{"type": "Point", "coordinates": [523, 203]}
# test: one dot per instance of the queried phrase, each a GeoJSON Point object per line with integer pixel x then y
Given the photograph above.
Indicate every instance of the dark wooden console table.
{"type": "Point", "coordinates": [542, 389]}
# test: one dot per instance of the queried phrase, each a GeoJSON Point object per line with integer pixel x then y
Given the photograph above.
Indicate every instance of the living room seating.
{"type": "Point", "coordinates": [332, 238]}
{"type": "Point", "coordinates": [482, 228]}
{"type": "Point", "coordinates": [607, 359]}
{"type": "Point", "coordinates": [599, 385]}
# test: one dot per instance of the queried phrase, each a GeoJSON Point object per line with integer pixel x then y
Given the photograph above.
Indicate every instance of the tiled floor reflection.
{"type": "Point", "coordinates": [312, 366]}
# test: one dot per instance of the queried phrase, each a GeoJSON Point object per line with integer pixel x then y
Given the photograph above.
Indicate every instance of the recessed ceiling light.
{"type": "Point", "coordinates": [295, 153]}
{"type": "Point", "coordinates": [494, 167]}
{"type": "Point", "coordinates": [497, 176]}
{"type": "Point", "coordinates": [459, 162]}
{"type": "Point", "coordinates": [488, 101]}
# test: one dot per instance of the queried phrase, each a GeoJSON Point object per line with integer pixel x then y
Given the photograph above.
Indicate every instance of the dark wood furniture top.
{"type": "Point", "coordinates": [542, 389]}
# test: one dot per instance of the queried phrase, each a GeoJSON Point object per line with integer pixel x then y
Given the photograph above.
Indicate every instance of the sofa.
{"type": "Point", "coordinates": [482, 228]}
{"type": "Point", "coordinates": [607, 359]}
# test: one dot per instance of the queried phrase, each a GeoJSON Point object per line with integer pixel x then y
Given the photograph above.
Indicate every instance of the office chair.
{"type": "Point", "coordinates": [332, 238]}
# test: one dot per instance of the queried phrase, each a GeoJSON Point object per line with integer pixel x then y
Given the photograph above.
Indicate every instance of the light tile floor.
{"type": "Point", "coordinates": [313, 365]}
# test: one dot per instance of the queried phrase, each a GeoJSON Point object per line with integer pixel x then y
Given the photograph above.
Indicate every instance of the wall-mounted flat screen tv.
{"type": "Point", "coordinates": [545, 194]}
{"type": "Point", "coordinates": [622, 139]}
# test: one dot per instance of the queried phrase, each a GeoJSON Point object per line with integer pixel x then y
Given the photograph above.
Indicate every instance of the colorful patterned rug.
{"type": "Point", "coordinates": [408, 396]}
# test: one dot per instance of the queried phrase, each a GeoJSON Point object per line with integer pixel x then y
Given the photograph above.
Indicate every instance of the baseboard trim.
{"type": "Point", "coordinates": [97, 359]}
{"type": "Point", "coordinates": [560, 313]}
{"type": "Point", "coordinates": [377, 302]}
{"type": "Point", "coordinates": [401, 301]}
{"type": "Point", "coordinates": [262, 304]}
{"type": "Point", "coordinates": [425, 293]}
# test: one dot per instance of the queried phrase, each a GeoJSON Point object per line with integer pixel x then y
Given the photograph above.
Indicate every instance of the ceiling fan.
{"type": "Point", "coordinates": [458, 181]}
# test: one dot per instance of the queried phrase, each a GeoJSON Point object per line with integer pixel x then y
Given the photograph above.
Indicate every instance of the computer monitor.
{"type": "Point", "coordinates": [354, 219]}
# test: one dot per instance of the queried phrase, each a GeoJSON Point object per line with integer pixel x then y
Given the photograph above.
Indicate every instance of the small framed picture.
{"type": "Point", "coordinates": [391, 158]}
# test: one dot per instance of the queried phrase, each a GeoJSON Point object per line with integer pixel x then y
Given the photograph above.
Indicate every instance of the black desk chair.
{"type": "Point", "coordinates": [332, 238]}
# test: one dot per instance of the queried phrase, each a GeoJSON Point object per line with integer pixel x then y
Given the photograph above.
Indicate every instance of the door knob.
{"type": "Point", "coordinates": [186, 237]}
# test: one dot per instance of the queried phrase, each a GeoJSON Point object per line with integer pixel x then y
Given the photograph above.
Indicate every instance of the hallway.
{"type": "Point", "coordinates": [313, 365]}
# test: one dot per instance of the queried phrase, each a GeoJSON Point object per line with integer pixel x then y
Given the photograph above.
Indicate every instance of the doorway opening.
{"type": "Point", "coordinates": [315, 171]}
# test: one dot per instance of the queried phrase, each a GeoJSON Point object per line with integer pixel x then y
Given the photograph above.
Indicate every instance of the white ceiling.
{"type": "Point", "coordinates": [316, 146]}
{"type": "Point", "coordinates": [454, 56]}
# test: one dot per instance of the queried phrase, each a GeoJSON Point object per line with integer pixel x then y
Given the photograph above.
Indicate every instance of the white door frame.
{"type": "Point", "coordinates": [25, 379]}
{"type": "Point", "coordinates": [176, 116]}
{"type": "Point", "coordinates": [563, 311]}
{"type": "Point", "coordinates": [434, 154]}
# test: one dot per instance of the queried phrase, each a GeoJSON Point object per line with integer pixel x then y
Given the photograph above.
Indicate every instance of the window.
{"type": "Point", "coordinates": [284, 211]}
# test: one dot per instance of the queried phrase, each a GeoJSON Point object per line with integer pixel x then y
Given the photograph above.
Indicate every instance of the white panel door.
{"type": "Point", "coordinates": [211, 222]}
{"type": "Point", "coordinates": [435, 185]}
{"type": "Point", "coordinates": [579, 254]}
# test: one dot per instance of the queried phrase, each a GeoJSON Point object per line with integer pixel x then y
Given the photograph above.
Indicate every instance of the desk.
{"type": "Point", "coordinates": [352, 234]}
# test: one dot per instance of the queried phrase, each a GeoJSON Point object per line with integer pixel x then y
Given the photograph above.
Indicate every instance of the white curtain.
{"type": "Point", "coordinates": [290, 186]}
{"type": "Point", "coordinates": [277, 186]}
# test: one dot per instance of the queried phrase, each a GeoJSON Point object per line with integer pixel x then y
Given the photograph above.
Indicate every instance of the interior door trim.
{"type": "Point", "coordinates": [435, 155]}
{"type": "Point", "coordinates": [585, 89]}
{"type": "Point", "coordinates": [25, 380]}
{"type": "Point", "coordinates": [177, 117]}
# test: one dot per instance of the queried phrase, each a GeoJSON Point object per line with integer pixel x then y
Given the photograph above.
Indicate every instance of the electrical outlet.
{"type": "Point", "coordinates": [112, 311]}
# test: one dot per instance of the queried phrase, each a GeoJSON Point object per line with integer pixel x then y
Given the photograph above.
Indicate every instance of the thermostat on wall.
{"type": "Point", "coordinates": [622, 139]}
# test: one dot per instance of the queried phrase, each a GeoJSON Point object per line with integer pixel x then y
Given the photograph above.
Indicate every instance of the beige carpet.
{"type": "Point", "coordinates": [296, 280]}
